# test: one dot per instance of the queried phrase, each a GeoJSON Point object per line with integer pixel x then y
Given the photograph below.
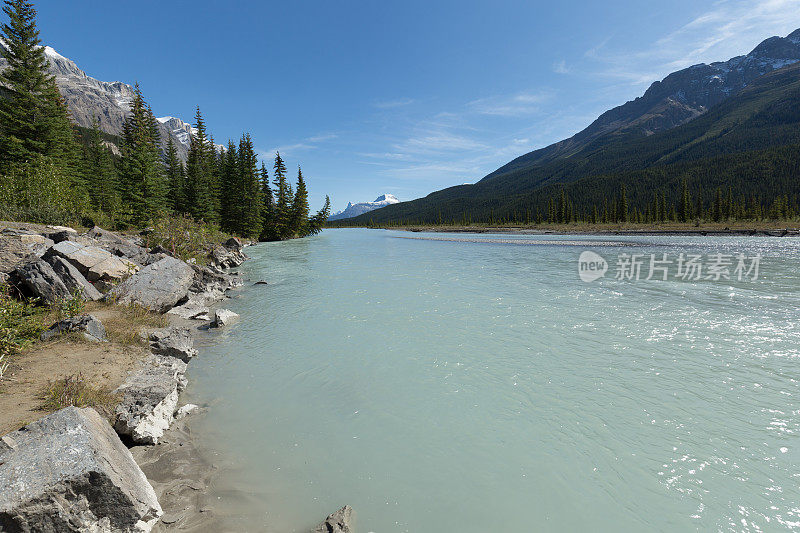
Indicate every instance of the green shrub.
{"type": "Point", "coordinates": [72, 306]}
{"type": "Point", "coordinates": [40, 192]}
{"type": "Point", "coordinates": [21, 322]}
{"type": "Point", "coordinates": [184, 237]}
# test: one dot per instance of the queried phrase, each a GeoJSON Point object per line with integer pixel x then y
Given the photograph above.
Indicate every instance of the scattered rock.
{"type": "Point", "coordinates": [63, 228]}
{"type": "Point", "coordinates": [223, 317]}
{"type": "Point", "coordinates": [157, 287]}
{"type": "Point", "coordinates": [158, 249]}
{"type": "Point", "coordinates": [171, 518]}
{"type": "Point", "coordinates": [93, 330]}
{"type": "Point", "coordinates": [93, 262]}
{"type": "Point", "coordinates": [73, 279]}
{"type": "Point", "coordinates": [103, 235]}
{"type": "Point", "coordinates": [12, 253]}
{"type": "Point", "coordinates": [191, 311]}
{"type": "Point", "coordinates": [233, 244]}
{"type": "Point", "coordinates": [173, 342]}
{"type": "Point", "coordinates": [185, 411]}
{"type": "Point", "coordinates": [29, 238]}
{"type": "Point", "coordinates": [149, 399]}
{"type": "Point", "coordinates": [224, 257]}
{"type": "Point", "coordinates": [338, 522]}
{"type": "Point", "coordinates": [37, 279]}
{"type": "Point", "coordinates": [69, 471]}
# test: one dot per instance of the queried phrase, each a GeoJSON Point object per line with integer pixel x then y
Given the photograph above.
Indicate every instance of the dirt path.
{"type": "Point", "coordinates": [103, 366]}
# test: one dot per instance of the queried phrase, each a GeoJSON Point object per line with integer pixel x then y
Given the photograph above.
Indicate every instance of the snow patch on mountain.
{"type": "Point", "coordinates": [353, 210]}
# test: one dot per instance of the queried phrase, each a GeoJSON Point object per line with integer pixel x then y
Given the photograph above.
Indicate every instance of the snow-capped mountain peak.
{"type": "Point", "coordinates": [353, 210]}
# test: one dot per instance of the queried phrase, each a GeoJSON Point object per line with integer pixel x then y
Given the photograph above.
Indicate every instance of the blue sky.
{"type": "Point", "coordinates": [409, 97]}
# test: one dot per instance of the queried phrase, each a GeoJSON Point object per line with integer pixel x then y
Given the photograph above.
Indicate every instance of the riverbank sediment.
{"type": "Point", "coordinates": [769, 229]}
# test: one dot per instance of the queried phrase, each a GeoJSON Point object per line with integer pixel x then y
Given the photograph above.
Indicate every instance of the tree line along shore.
{"type": "Point", "coordinates": [56, 173]}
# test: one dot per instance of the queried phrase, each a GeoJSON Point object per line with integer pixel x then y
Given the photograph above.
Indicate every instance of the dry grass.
{"type": "Point", "coordinates": [125, 324]}
{"type": "Point", "coordinates": [75, 391]}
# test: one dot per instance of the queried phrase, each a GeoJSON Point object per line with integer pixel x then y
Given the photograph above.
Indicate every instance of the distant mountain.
{"type": "Point", "coordinates": [677, 99]}
{"type": "Point", "coordinates": [353, 210]}
{"type": "Point", "coordinates": [109, 102]}
{"type": "Point", "coordinates": [700, 118]}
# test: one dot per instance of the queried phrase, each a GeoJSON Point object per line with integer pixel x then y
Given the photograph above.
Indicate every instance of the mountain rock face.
{"type": "Point", "coordinates": [353, 210]}
{"type": "Point", "coordinates": [677, 99]}
{"type": "Point", "coordinates": [109, 102]}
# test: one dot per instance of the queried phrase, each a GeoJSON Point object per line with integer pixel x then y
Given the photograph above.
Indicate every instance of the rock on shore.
{"type": "Point", "coordinates": [149, 399]}
{"type": "Point", "coordinates": [173, 341]}
{"type": "Point", "coordinates": [339, 522]}
{"type": "Point", "coordinates": [69, 471]}
{"type": "Point", "coordinates": [157, 287]}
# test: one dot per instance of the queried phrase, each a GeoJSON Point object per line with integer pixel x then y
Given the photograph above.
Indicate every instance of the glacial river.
{"type": "Point", "coordinates": [475, 383]}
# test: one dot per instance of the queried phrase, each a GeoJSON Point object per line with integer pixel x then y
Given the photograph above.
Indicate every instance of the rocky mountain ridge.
{"type": "Point", "coordinates": [109, 102]}
{"type": "Point", "coordinates": [677, 99]}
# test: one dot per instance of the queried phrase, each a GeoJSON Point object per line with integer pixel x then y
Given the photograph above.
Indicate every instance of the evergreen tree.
{"type": "Point", "coordinates": [141, 171]}
{"type": "Point", "coordinates": [250, 224]}
{"type": "Point", "coordinates": [317, 222]}
{"type": "Point", "coordinates": [268, 232]}
{"type": "Point", "coordinates": [102, 180]}
{"type": "Point", "coordinates": [283, 197]}
{"type": "Point", "coordinates": [685, 212]}
{"type": "Point", "coordinates": [230, 189]}
{"type": "Point", "coordinates": [176, 179]}
{"type": "Point", "coordinates": [622, 215]}
{"type": "Point", "coordinates": [26, 112]}
{"type": "Point", "coordinates": [201, 182]}
{"type": "Point", "coordinates": [699, 210]}
{"type": "Point", "coordinates": [299, 210]}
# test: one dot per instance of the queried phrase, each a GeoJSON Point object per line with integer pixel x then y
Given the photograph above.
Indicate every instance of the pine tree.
{"type": "Point", "coordinates": [201, 182]}
{"type": "Point", "coordinates": [299, 216]}
{"type": "Point", "coordinates": [268, 232]}
{"type": "Point", "coordinates": [622, 215]}
{"type": "Point", "coordinates": [26, 112]}
{"type": "Point", "coordinates": [699, 210]}
{"type": "Point", "coordinates": [144, 189]}
{"type": "Point", "coordinates": [176, 179]}
{"type": "Point", "coordinates": [316, 223]}
{"type": "Point", "coordinates": [230, 189]}
{"type": "Point", "coordinates": [101, 175]}
{"type": "Point", "coordinates": [685, 211]}
{"type": "Point", "coordinates": [250, 224]}
{"type": "Point", "coordinates": [283, 197]}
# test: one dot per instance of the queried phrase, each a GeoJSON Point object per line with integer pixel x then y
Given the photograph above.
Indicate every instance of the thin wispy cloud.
{"type": "Point", "coordinates": [560, 67]}
{"type": "Point", "coordinates": [730, 28]}
{"type": "Point", "coordinates": [510, 106]}
{"type": "Point", "coordinates": [293, 150]}
{"type": "Point", "coordinates": [456, 145]}
{"type": "Point", "coordinates": [391, 104]}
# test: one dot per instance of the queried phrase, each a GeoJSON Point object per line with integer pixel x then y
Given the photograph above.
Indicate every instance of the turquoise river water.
{"type": "Point", "coordinates": [475, 383]}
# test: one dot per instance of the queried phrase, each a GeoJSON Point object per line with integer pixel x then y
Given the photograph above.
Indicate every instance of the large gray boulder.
{"type": "Point", "coordinates": [223, 317]}
{"type": "Point", "coordinates": [37, 279]}
{"type": "Point", "coordinates": [157, 287]}
{"type": "Point", "coordinates": [93, 262]}
{"type": "Point", "coordinates": [13, 253]}
{"type": "Point", "coordinates": [191, 310]}
{"type": "Point", "coordinates": [173, 341]}
{"type": "Point", "coordinates": [73, 279]}
{"type": "Point", "coordinates": [227, 256]}
{"type": "Point", "coordinates": [339, 522]}
{"type": "Point", "coordinates": [92, 329]}
{"type": "Point", "coordinates": [69, 471]}
{"type": "Point", "coordinates": [149, 399]}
